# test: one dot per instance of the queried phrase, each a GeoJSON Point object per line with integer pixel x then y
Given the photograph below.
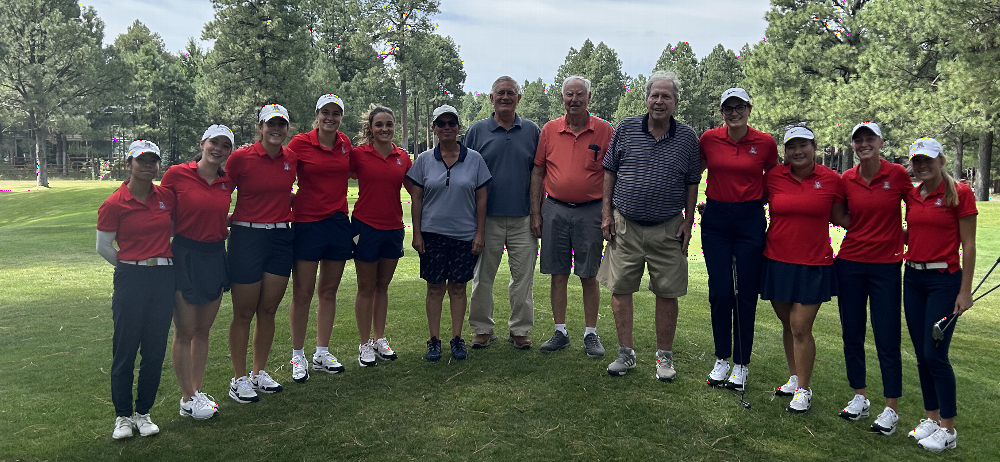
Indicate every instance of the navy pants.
{"type": "Point", "coordinates": [142, 307]}
{"type": "Point", "coordinates": [877, 285]}
{"type": "Point", "coordinates": [928, 296]}
{"type": "Point", "coordinates": [731, 230]}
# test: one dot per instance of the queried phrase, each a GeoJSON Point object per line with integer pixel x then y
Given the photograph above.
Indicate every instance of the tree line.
{"type": "Point", "coordinates": [916, 67]}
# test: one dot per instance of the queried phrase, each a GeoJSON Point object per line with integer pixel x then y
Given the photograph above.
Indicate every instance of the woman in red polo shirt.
{"type": "Point", "coordinates": [260, 248]}
{"type": "Point", "coordinates": [380, 167]}
{"type": "Point", "coordinates": [204, 193]}
{"type": "Point", "coordinates": [138, 217]}
{"type": "Point", "coordinates": [867, 269]}
{"type": "Point", "coordinates": [798, 274]}
{"type": "Point", "coordinates": [323, 236]}
{"type": "Point", "coordinates": [732, 231]}
{"type": "Point", "coordinates": [940, 216]}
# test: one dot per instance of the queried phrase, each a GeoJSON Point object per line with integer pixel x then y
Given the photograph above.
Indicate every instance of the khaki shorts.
{"type": "Point", "coordinates": [633, 247]}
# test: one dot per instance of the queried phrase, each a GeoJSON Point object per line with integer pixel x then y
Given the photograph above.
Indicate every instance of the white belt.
{"type": "Point", "coordinates": [926, 266]}
{"type": "Point", "coordinates": [247, 224]}
{"type": "Point", "coordinates": [158, 261]}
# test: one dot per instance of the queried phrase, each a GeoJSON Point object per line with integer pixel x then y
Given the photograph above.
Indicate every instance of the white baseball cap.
{"type": "Point", "coordinates": [140, 147]}
{"type": "Point", "coordinates": [734, 93]}
{"type": "Point", "coordinates": [869, 125]}
{"type": "Point", "coordinates": [445, 109]}
{"type": "Point", "coordinates": [798, 132]}
{"type": "Point", "coordinates": [273, 110]}
{"type": "Point", "coordinates": [925, 147]}
{"type": "Point", "coordinates": [219, 130]}
{"type": "Point", "coordinates": [327, 99]}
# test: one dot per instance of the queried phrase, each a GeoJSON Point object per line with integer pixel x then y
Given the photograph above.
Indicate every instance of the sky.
{"type": "Point", "coordinates": [525, 39]}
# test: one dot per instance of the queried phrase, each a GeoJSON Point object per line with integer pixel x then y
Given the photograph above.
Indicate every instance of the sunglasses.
{"type": "Point", "coordinates": [449, 123]}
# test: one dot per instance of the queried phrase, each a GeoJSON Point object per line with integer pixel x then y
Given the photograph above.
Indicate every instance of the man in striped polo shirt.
{"type": "Point", "coordinates": [651, 175]}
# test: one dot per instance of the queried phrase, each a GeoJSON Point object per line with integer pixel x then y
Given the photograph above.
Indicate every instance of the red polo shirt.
{"type": "Point", "coordinates": [933, 225]}
{"type": "Point", "coordinates": [323, 175]}
{"type": "Point", "coordinates": [736, 168]}
{"type": "Point", "coordinates": [379, 180]}
{"type": "Point", "coordinates": [799, 232]}
{"type": "Point", "coordinates": [264, 184]}
{"type": "Point", "coordinates": [573, 171]}
{"type": "Point", "coordinates": [142, 230]}
{"type": "Point", "coordinates": [876, 231]}
{"type": "Point", "coordinates": [202, 208]}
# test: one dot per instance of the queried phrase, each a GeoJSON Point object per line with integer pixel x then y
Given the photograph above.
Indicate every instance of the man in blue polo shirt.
{"type": "Point", "coordinates": [507, 143]}
{"type": "Point", "coordinates": [651, 175]}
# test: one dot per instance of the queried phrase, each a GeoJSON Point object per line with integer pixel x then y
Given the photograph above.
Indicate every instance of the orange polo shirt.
{"type": "Point", "coordinates": [573, 169]}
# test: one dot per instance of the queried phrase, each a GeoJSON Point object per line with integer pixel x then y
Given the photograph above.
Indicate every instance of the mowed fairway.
{"type": "Point", "coordinates": [500, 404]}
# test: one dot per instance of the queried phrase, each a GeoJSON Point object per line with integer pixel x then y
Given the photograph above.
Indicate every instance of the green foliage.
{"type": "Point", "coordinates": [633, 102]}
{"type": "Point", "coordinates": [260, 48]}
{"type": "Point", "coordinates": [535, 102]}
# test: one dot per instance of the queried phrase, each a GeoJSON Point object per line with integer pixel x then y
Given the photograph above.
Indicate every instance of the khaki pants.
{"type": "Point", "coordinates": [514, 233]}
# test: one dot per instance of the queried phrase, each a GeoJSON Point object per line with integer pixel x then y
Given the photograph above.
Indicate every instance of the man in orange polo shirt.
{"type": "Point", "coordinates": [568, 168]}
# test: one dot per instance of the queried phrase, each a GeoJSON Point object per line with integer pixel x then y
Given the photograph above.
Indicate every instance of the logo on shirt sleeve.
{"type": "Point", "coordinates": [164, 206]}
{"type": "Point", "coordinates": [886, 185]}
{"type": "Point", "coordinates": [818, 185]}
{"type": "Point", "coordinates": [753, 150]}
{"type": "Point", "coordinates": [286, 166]}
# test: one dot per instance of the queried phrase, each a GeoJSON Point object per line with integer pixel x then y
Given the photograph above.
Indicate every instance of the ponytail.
{"type": "Point", "coordinates": [950, 191]}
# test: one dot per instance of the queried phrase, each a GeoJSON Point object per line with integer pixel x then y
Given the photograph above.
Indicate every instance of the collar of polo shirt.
{"type": "Point", "coordinates": [670, 132]}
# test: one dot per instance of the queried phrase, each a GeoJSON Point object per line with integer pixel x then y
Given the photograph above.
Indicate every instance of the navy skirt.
{"type": "Point", "coordinates": [201, 271]}
{"type": "Point", "coordinates": [791, 283]}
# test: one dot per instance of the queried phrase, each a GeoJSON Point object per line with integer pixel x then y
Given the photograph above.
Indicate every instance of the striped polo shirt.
{"type": "Point", "coordinates": [653, 174]}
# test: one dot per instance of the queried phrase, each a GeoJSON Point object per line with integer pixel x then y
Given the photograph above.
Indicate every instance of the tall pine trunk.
{"type": "Point", "coordinates": [959, 153]}
{"type": "Point", "coordinates": [41, 161]}
{"type": "Point", "coordinates": [983, 182]}
{"type": "Point", "coordinates": [402, 113]}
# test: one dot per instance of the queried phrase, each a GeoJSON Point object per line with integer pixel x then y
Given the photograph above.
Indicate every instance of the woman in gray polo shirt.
{"type": "Point", "coordinates": [449, 218]}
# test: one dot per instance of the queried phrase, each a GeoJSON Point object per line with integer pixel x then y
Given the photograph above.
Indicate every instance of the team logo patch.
{"type": "Point", "coordinates": [223, 186]}
{"type": "Point", "coordinates": [343, 150]}
{"type": "Point", "coordinates": [817, 185]}
{"type": "Point", "coordinates": [886, 185]}
{"type": "Point", "coordinates": [399, 162]}
{"type": "Point", "coordinates": [286, 166]}
{"type": "Point", "coordinates": [753, 150]}
{"type": "Point", "coordinates": [938, 202]}
{"type": "Point", "coordinates": [164, 206]}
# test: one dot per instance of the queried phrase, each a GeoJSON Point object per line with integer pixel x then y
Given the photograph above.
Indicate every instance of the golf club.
{"type": "Point", "coordinates": [984, 280]}
{"type": "Point", "coordinates": [942, 325]}
{"type": "Point", "coordinates": [736, 320]}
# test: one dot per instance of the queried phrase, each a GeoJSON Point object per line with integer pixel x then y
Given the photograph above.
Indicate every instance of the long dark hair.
{"type": "Point", "coordinates": [365, 136]}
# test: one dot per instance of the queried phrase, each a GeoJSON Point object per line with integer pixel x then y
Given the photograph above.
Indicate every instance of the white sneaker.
{"type": "Point", "coordinates": [123, 428]}
{"type": "Point", "coordinates": [263, 382]}
{"type": "Point", "coordinates": [366, 354]}
{"type": "Point", "coordinates": [940, 440]}
{"type": "Point", "coordinates": [199, 407]}
{"type": "Point", "coordinates": [802, 401]}
{"type": "Point", "coordinates": [300, 373]}
{"type": "Point", "coordinates": [885, 423]}
{"type": "Point", "coordinates": [145, 426]}
{"type": "Point", "coordinates": [665, 366]}
{"type": "Point", "coordinates": [788, 389]}
{"type": "Point", "coordinates": [207, 397]}
{"type": "Point", "coordinates": [241, 391]}
{"type": "Point", "coordinates": [926, 428]}
{"type": "Point", "coordinates": [719, 371]}
{"type": "Point", "coordinates": [326, 362]}
{"type": "Point", "coordinates": [738, 379]}
{"type": "Point", "coordinates": [383, 351]}
{"type": "Point", "coordinates": [857, 408]}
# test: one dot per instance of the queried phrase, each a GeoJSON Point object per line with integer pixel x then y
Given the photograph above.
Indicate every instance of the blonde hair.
{"type": "Point", "coordinates": [950, 190]}
{"type": "Point", "coordinates": [365, 136]}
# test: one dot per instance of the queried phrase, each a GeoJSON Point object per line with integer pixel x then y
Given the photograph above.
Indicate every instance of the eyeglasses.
{"type": "Point", "coordinates": [442, 124]}
{"type": "Point", "coordinates": [728, 110]}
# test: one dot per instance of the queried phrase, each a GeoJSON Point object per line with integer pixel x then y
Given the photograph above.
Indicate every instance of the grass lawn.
{"type": "Point", "coordinates": [500, 404]}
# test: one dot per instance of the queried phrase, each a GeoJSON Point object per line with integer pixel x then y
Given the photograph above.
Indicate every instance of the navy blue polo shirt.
{"type": "Point", "coordinates": [510, 156]}
{"type": "Point", "coordinates": [653, 174]}
{"type": "Point", "coordinates": [449, 194]}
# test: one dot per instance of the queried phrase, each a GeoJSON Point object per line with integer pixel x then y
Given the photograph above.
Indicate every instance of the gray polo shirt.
{"type": "Point", "coordinates": [449, 194]}
{"type": "Point", "coordinates": [510, 156]}
{"type": "Point", "coordinates": [653, 174]}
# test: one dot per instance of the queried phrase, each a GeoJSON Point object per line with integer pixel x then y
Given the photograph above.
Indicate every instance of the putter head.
{"type": "Point", "coordinates": [939, 327]}
{"type": "Point", "coordinates": [745, 404]}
